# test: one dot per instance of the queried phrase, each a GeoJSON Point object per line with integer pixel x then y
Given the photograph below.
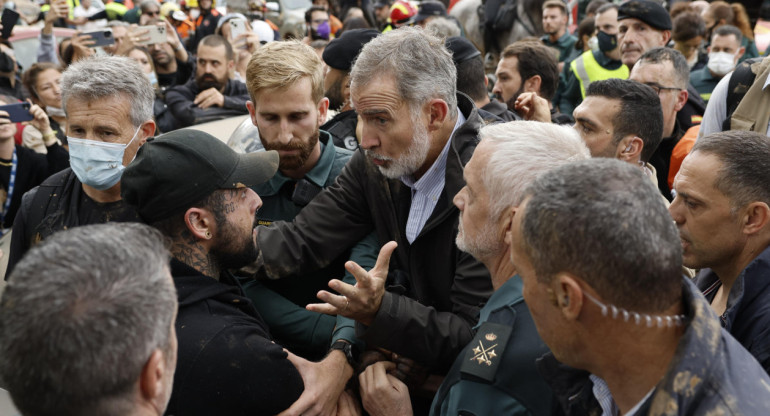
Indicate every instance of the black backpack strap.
{"type": "Point", "coordinates": [740, 82]}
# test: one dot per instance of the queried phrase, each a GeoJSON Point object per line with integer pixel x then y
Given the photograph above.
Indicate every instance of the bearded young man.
{"type": "Point", "coordinates": [211, 94]}
{"type": "Point", "coordinates": [285, 81]}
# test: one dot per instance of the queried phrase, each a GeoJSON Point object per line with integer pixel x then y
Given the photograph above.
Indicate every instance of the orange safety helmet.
{"type": "Point", "coordinates": [401, 12]}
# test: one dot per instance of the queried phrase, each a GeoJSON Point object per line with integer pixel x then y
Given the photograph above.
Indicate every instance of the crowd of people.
{"type": "Point", "coordinates": [581, 228]}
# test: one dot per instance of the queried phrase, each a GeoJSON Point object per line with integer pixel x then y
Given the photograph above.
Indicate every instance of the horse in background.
{"type": "Point", "coordinates": [526, 17]}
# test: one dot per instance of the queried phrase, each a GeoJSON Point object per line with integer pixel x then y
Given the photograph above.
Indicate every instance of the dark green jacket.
{"type": "Point", "coordinates": [281, 303]}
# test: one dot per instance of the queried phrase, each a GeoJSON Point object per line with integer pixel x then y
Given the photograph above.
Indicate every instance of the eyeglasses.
{"type": "Point", "coordinates": [658, 88]}
{"type": "Point", "coordinates": [152, 13]}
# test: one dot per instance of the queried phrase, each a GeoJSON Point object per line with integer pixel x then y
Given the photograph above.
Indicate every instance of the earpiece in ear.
{"type": "Point", "coordinates": [628, 148]}
{"type": "Point", "coordinates": [565, 302]}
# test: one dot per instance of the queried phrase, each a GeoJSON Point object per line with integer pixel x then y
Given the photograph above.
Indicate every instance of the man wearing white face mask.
{"type": "Point", "coordinates": [109, 105]}
{"type": "Point", "coordinates": [724, 53]}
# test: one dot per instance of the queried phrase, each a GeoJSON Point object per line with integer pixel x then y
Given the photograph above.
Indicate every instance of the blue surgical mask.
{"type": "Point", "coordinates": [152, 77]}
{"type": "Point", "coordinates": [97, 164]}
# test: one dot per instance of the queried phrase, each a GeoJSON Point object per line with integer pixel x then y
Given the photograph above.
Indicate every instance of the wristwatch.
{"type": "Point", "coordinates": [347, 349]}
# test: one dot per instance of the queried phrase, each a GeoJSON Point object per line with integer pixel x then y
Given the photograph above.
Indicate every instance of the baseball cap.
{"type": "Point", "coordinates": [462, 49]}
{"type": "Point", "coordinates": [177, 169]}
{"type": "Point", "coordinates": [342, 51]}
{"type": "Point", "coordinates": [647, 11]}
{"type": "Point", "coordinates": [428, 9]}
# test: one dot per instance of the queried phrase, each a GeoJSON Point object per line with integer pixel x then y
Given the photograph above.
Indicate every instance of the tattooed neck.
{"type": "Point", "coordinates": [189, 251]}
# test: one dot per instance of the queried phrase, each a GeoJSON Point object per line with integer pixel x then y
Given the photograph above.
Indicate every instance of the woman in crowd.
{"type": "Point", "coordinates": [42, 82]}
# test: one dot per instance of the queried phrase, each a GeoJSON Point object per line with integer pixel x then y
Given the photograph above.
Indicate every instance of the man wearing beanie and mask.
{"type": "Point", "coordinates": [339, 55]}
{"type": "Point", "coordinates": [643, 25]}
{"type": "Point", "coordinates": [724, 52]}
{"type": "Point", "coordinates": [108, 102]}
{"type": "Point", "coordinates": [196, 191]}
{"type": "Point", "coordinates": [594, 65]}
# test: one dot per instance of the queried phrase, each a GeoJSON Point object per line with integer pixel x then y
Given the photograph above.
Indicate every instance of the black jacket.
{"type": "Point", "coordinates": [180, 102]}
{"type": "Point", "coordinates": [434, 290]}
{"type": "Point", "coordinates": [227, 364]}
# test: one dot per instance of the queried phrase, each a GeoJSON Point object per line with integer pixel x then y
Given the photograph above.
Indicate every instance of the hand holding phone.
{"type": "Point", "coordinates": [151, 34]}
{"type": "Point", "coordinates": [101, 37]}
{"type": "Point", "coordinates": [17, 112]}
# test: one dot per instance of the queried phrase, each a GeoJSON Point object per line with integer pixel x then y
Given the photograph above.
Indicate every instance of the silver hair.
{"type": "Point", "coordinates": [522, 150]}
{"type": "Point", "coordinates": [81, 315]}
{"type": "Point", "coordinates": [101, 77]}
{"type": "Point", "coordinates": [418, 61]}
{"type": "Point", "coordinates": [443, 27]}
{"type": "Point", "coordinates": [603, 221]}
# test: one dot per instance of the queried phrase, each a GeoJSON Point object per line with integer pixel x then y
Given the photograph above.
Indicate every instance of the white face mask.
{"type": "Point", "coordinates": [194, 13]}
{"type": "Point", "coordinates": [721, 63]}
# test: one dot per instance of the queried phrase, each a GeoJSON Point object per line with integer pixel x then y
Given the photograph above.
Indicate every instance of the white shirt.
{"type": "Point", "coordinates": [426, 191]}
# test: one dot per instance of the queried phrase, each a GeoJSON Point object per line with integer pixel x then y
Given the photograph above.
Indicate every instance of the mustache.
{"type": "Point", "coordinates": [374, 155]}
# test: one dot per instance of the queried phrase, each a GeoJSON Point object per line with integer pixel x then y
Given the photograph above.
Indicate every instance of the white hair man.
{"type": "Point", "coordinates": [501, 357]}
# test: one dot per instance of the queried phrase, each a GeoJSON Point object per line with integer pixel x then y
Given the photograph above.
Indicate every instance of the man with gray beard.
{"type": "Point", "coordinates": [496, 372]}
{"type": "Point", "coordinates": [418, 133]}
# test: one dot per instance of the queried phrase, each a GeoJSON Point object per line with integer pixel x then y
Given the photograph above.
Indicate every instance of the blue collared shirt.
{"type": "Point", "coordinates": [426, 190]}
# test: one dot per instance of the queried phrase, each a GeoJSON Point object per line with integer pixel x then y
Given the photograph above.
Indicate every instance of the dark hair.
{"type": "Point", "coordinates": [594, 6]}
{"type": "Point", "coordinates": [586, 27]}
{"type": "Point", "coordinates": [309, 12]}
{"type": "Point", "coordinates": [470, 78]}
{"type": "Point", "coordinates": [688, 26]}
{"type": "Point", "coordinates": [353, 23]}
{"type": "Point", "coordinates": [603, 221]}
{"type": "Point", "coordinates": [81, 315]}
{"type": "Point", "coordinates": [744, 176]}
{"type": "Point", "coordinates": [640, 112]}
{"type": "Point", "coordinates": [534, 58]}
{"type": "Point", "coordinates": [29, 78]}
{"type": "Point", "coordinates": [661, 54]}
{"type": "Point", "coordinates": [727, 30]}
{"type": "Point", "coordinates": [173, 226]}
{"type": "Point", "coordinates": [605, 7]}
{"type": "Point", "coordinates": [214, 41]}
{"type": "Point", "coordinates": [733, 14]}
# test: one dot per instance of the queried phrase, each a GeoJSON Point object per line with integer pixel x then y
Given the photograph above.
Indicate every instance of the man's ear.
{"type": "Point", "coordinates": [532, 84]}
{"type": "Point", "coordinates": [346, 88]}
{"type": "Point", "coordinates": [147, 130]}
{"type": "Point", "coordinates": [153, 376]}
{"type": "Point", "coordinates": [681, 99]}
{"type": "Point", "coordinates": [756, 217]}
{"type": "Point", "coordinates": [252, 112]}
{"type": "Point", "coordinates": [630, 148]}
{"type": "Point", "coordinates": [200, 223]}
{"type": "Point", "coordinates": [439, 112]}
{"type": "Point", "coordinates": [666, 34]}
{"type": "Point", "coordinates": [323, 108]}
{"type": "Point", "coordinates": [569, 295]}
{"type": "Point", "coordinates": [739, 54]}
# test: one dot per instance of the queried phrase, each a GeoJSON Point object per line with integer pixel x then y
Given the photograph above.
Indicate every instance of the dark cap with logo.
{"type": "Point", "coordinates": [647, 11]}
{"type": "Point", "coordinates": [177, 169]}
{"type": "Point", "coordinates": [342, 51]}
{"type": "Point", "coordinates": [428, 9]}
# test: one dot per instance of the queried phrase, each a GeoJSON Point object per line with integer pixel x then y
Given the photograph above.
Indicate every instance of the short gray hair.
{"type": "Point", "coordinates": [660, 54]}
{"type": "Point", "coordinates": [81, 315]}
{"type": "Point", "coordinates": [744, 176]}
{"type": "Point", "coordinates": [443, 27]}
{"type": "Point", "coordinates": [522, 150]}
{"type": "Point", "coordinates": [419, 62]}
{"type": "Point", "coordinates": [101, 77]}
{"type": "Point", "coordinates": [604, 221]}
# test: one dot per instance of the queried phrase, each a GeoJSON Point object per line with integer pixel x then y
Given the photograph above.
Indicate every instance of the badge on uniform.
{"type": "Point", "coordinates": [486, 350]}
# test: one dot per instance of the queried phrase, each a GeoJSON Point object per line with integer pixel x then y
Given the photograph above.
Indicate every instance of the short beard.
{"type": "Point", "coordinates": [231, 252]}
{"type": "Point", "coordinates": [334, 94]}
{"type": "Point", "coordinates": [511, 104]}
{"type": "Point", "coordinates": [484, 246]}
{"type": "Point", "coordinates": [414, 156]}
{"type": "Point", "coordinates": [289, 163]}
{"type": "Point", "coordinates": [207, 81]}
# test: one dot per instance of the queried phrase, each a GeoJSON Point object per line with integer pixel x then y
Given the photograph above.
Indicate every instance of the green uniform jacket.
{"type": "Point", "coordinates": [704, 82]}
{"type": "Point", "coordinates": [496, 373]}
{"type": "Point", "coordinates": [281, 303]}
{"type": "Point", "coordinates": [564, 45]}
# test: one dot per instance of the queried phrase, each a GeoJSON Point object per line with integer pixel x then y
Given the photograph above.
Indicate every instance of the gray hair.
{"type": "Point", "coordinates": [744, 176]}
{"type": "Point", "coordinates": [418, 60]}
{"type": "Point", "coordinates": [101, 77]}
{"type": "Point", "coordinates": [604, 221]}
{"type": "Point", "coordinates": [660, 54]}
{"type": "Point", "coordinates": [81, 315]}
{"type": "Point", "coordinates": [522, 151]}
{"type": "Point", "coordinates": [443, 27]}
